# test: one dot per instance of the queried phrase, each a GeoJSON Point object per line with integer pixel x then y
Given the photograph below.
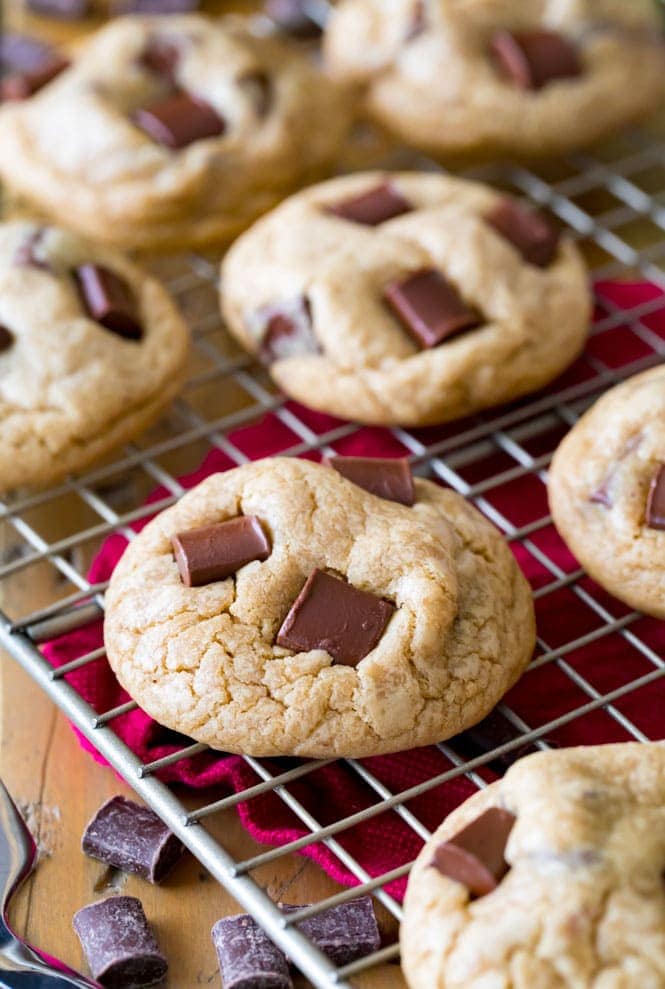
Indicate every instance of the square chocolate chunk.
{"type": "Point", "coordinates": [526, 229]}
{"type": "Point", "coordinates": [388, 478]}
{"type": "Point", "coordinates": [179, 120]}
{"type": "Point", "coordinates": [429, 307]}
{"type": "Point", "coordinates": [109, 300]}
{"type": "Point", "coordinates": [373, 207]}
{"type": "Point", "coordinates": [532, 59]}
{"type": "Point", "coordinates": [214, 552]}
{"type": "Point", "coordinates": [475, 855]}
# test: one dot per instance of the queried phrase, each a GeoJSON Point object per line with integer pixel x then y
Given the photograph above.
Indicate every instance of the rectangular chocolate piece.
{"type": "Point", "coordinates": [526, 229]}
{"type": "Point", "coordinates": [6, 338]}
{"type": "Point", "coordinates": [26, 65]}
{"type": "Point", "coordinates": [532, 59]}
{"type": "Point", "coordinates": [109, 300]}
{"type": "Point", "coordinates": [656, 501]}
{"type": "Point", "coordinates": [247, 957]}
{"type": "Point", "coordinates": [373, 207]}
{"type": "Point", "coordinates": [214, 552]}
{"type": "Point", "coordinates": [118, 943]}
{"type": "Point", "coordinates": [475, 855]}
{"type": "Point", "coordinates": [133, 838]}
{"type": "Point", "coordinates": [388, 478]}
{"type": "Point", "coordinates": [343, 933]}
{"type": "Point", "coordinates": [332, 614]}
{"type": "Point", "coordinates": [429, 307]}
{"type": "Point", "coordinates": [179, 120]}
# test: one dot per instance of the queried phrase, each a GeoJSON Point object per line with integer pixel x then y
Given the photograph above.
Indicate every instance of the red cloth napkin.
{"type": "Point", "coordinates": [543, 694]}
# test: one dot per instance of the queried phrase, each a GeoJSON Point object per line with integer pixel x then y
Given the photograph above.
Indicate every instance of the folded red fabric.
{"type": "Point", "coordinates": [544, 694]}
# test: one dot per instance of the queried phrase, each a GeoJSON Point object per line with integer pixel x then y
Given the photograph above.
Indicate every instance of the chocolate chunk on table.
{"type": "Point", "coordinates": [6, 338]}
{"type": "Point", "coordinates": [179, 120]}
{"type": "Point", "coordinates": [388, 478]}
{"type": "Point", "coordinates": [133, 838]}
{"type": "Point", "coordinates": [532, 59]}
{"type": "Point", "coordinates": [294, 17]}
{"type": "Point", "coordinates": [373, 207]}
{"type": "Point", "coordinates": [526, 229]}
{"type": "Point", "coordinates": [475, 855]}
{"type": "Point", "coordinates": [429, 307]}
{"type": "Point", "coordinates": [109, 300]}
{"type": "Point", "coordinates": [26, 65]}
{"type": "Point", "coordinates": [287, 331]}
{"type": "Point", "coordinates": [343, 933]}
{"type": "Point", "coordinates": [655, 515]}
{"type": "Point", "coordinates": [247, 957]}
{"type": "Point", "coordinates": [118, 943]}
{"type": "Point", "coordinates": [214, 552]}
{"type": "Point", "coordinates": [66, 10]}
{"type": "Point", "coordinates": [331, 614]}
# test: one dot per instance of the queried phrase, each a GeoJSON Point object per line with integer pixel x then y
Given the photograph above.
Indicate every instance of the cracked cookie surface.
{"type": "Point", "coordinates": [599, 484]}
{"type": "Point", "coordinates": [71, 389]}
{"type": "Point", "coordinates": [428, 74]}
{"type": "Point", "coordinates": [203, 660]}
{"type": "Point", "coordinates": [355, 359]}
{"type": "Point", "coordinates": [583, 903]}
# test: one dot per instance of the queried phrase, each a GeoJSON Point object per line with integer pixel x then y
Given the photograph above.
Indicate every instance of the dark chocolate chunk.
{"type": "Point", "coordinates": [247, 957]}
{"type": "Point", "coordinates": [287, 331]}
{"type": "Point", "coordinates": [532, 59]}
{"type": "Point", "coordinates": [6, 338]}
{"type": "Point", "coordinates": [26, 65]}
{"type": "Point", "coordinates": [179, 120]}
{"type": "Point", "coordinates": [525, 229]}
{"type": "Point", "coordinates": [343, 933]}
{"type": "Point", "coordinates": [429, 307]}
{"type": "Point", "coordinates": [258, 85]}
{"type": "Point", "coordinates": [293, 17]}
{"type": "Point", "coordinates": [118, 943]}
{"type": "Point", "coordinates": [161, 55]}
{"type": "Point", "coordinates": [389, 478]}
{"type": "Point", "coordinates": [656, 501]}
{"type": "Point", "coordinates": [332, 614]}
{"type": "Point", "coordinates": [151, 7]}
{"type": "Point", "coordinates": [109, 300]}
{"type": "Point", "coordinates": [66, 10]}
{"type": "Point", "coordinates": [214, 552]}
{"type": "Point", "coordinates": [132, 838]}
{"type": "Point", "coordinates": [371, 208]}
{"type": "Point", "coordinates": [475, 855]}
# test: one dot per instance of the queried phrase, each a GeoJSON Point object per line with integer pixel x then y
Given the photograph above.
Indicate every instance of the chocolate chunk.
{"type": "Point", "coordinates": [656, 500]}
{"type": "Point", "coordinates": [429, 307]}
{"type": "Point", "coordinates": [332, 614]}
{"type": "Point", "coordinates": [151, 7]}
{"type": "Point", "coordinates": [247, 957]}
{"type": "Point", "coordinates": [343, 933]}
{"type": "Point", "coordinates": [386, 478]}
{"type": "Point", "coordinates": [26, 65]}
{"type": "Point", "coordinates": [525, 229]}
{"type": "Point", "coordinates": [258, 85]}
{"type": "Point", "coordinates": [293, 17]}
{"type": "Point", "coordinates": [214, 552]}
{"type": "Point", "coordinates": [418, 21]}
{"type": "Point", "coordinates": [132, 838]}
{"type": "Point", "coordinates": [66, 10]}
{"type": "Point", "coordinates": [109, 300]}
{"type": "Point", "coordinates": [6, 338]}
{"type": "Point", "coordinates": [475, 855]}
{"type": "Point", "coordinates": [371, 208]}
{"type": "Point", "coordinates": [287, 331]}
{"type": "Point", "coordinates": [118, 943]}
{"type": "Point", "coordinates": [532, 59]}
{"type": "Point", "coordinates": [26, 255]}
{"type": "Point", "coordinates": [179, 120]}
{"type": "Point", "coordinates": [160, 56]}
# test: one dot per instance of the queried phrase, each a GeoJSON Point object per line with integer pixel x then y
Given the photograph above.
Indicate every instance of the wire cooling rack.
{"type": "Point", "coordinates": [614, 202]}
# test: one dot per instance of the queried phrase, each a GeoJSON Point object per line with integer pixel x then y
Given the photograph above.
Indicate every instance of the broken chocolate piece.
{"type": "Point", "coordinates": [6, 338]}
{"type": "Point", "coordinates": [132, 838]}
{"type": "Point", "coordinates": [26, 65]}
{"type": "Point", "coordinates": [179, 120]}
{"type": "Point", "coordinates": [247, 957]}
{"type": "Point", "coordinates": [656, 501]}
{"type": "Point", "coordinates": [161, 56]}
{"type": "Point", "coordinates": [109, 300]}
{"type": "Point", "coordinates": [66, 10]}
{"type": "Point", "coordinates": [373, 207]}
{"type": "Point", "coordinates": [429, 307]}
{"type": "Point", "coordinates": [214, 552]}
{"type": "Point", "coordinates": [293, 17]}
{"type": "Point", "coordinates": [532, 59]}
{"type": "Point", "coordinates": [287, 331]}
{"type": "Point", "coordinates": [475, 855]}
{"type": "Point", "coordinates": [525, 229]}
{"type": "Point", "coordinates": [118, 943]}
{"type": "Point", "coordinates": [343, 933]}
{"type": "Point", "coordinates": [258, 85]}
{"type": "Point", "coordinates": [331, 614]}
{"type": "Point", "coordinates": [388, 478]}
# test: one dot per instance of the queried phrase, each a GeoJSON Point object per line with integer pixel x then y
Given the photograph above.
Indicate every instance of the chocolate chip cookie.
{"type": "Point", "coordinates": [406, 298]}
{"type": "Point", "coordinates": [92, 349]}
{"type": "Point", "coordinates": [283, 609]}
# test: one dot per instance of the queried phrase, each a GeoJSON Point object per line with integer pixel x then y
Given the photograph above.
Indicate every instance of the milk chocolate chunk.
{"type": "Point", "coordinates": [26, 65]}
{"type": "Point", "coordinates": [374, 207]}
{"type": "Point", "coordinates": [66, 10]}
{"type": "Point", "coordinates": [294, 17]}
{"type": "Point", "coordinates": [287, 331]}
{"type": "Point", "coordinates": [656, 500]}
{"type": "Point", "coordinates": [214, 552]}
{"type": "Point", "coordinates": [532, 59]}
{"type": "Point", "coordinates": [133, 838]}
{"type": "Point", "coordinates": [258, 85]}
{"type": "Point", "coordinates": [247, 957]}
{"type": "Point", "coordinates": [429, 307]}
{"type": "Point", "coordinates": [179, 120]}
{"type": "Point", "coordinates": [388, 478]}
{"type": "Point", "coordinates": [525, 229]}
{"type": "Point", "coordinates": [161, 56]}
{"type": "Point", "coordinates": [118, 943]}
{"type": "Point", "coordinates": [109, 300]}
{"type": "Point", "coordinates": [331, 614]}
{"type": "Point", "coordinates": [6, 338]}
{"type": "Point", "coordinates": [475, 855]}
{"type": "Point", "coordinates": [343, 933]}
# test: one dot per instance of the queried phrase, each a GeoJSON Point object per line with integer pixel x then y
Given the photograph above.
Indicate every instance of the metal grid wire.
{"type": "Point", "coordinates": [614, 202]}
